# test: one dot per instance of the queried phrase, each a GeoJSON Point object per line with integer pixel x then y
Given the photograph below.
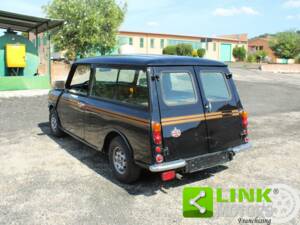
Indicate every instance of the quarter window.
{"type": "Point", "coordinates": [178, 88]}
{"type": "Point", "coordinates": [132, 87]}
{"type": "Point", "coordinates": [215, 86]}
{"type": "Point", "coordinates": [104, 82]}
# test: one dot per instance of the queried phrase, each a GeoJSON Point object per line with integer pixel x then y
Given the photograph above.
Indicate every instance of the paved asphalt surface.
{"type": "Point", "coordinates": [45, 180]}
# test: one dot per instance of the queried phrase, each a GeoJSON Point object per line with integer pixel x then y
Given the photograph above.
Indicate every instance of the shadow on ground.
{"type": "Point", "coordinates": [149, 183]}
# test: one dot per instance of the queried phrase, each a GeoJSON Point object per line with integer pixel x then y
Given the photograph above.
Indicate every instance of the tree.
{"type": "Point", "coordinates": [239, 53]}
{"type": "Point", "coordinates": [90, 27]}
{"type": "Point", "coordinates": [286, 44]}
{"type": "Point", "coordinates": [201, 52]}
{"type": "Point", "coordinates": [170, 50]}
{"type": "Point", "coordinates": [184, 49]}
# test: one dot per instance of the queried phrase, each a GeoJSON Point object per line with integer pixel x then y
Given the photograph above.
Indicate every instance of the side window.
{"type": "Point", "coordinates": [80, 80]}
{"type": "Point", "coordinates": [178, 88]}
{"type": "Point", "coordinates": [104, 82]}
{"type": "Point", "coordinates": [132, 87]}
{"type": "Point", "coordinates": [126, 76]}
{"type": "Point", "coordinates": [215, 86]}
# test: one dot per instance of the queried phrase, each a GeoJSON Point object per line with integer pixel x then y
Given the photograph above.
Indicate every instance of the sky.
{"type": "Point", "coordinates": [195, 17]}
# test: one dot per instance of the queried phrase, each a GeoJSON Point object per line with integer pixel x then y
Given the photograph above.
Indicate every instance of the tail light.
{"type": "Point", "coordinates": [157, 139]}
{"type": "Point", "coordinates": [244, 116]}
{"type": "Point", "coordinates": [156, 131]}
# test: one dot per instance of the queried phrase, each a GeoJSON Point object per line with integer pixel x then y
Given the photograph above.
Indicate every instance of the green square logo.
{"type": "Point", "coordinates": [198, 202]}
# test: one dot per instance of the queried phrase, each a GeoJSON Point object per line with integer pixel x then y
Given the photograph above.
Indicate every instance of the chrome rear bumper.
{"type": "Point", "coordinates": [241, 148]}
{"type": "Point", "coordinates": [182, 163]}
{"type": "Point", "coordinates": [168, 166]}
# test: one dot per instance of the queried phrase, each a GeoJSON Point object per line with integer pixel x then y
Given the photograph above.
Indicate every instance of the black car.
{"type": "Point", "coordinates": [166, 114]}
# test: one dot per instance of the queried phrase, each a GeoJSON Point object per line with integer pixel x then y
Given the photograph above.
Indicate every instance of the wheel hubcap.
{"type": "Point", "coordinates": [119, 159]}
{"type": "Point", "coordinates": [53, 122]}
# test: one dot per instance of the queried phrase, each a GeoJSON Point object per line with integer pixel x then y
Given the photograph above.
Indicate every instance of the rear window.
{"type": "Point", "coordinates": [178, 88]}
{"type": "Point", "coordinates": [215, 86]}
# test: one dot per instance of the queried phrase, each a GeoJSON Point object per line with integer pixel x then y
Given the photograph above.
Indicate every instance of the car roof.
{"type": "Point", "coordinates": [150, 60]}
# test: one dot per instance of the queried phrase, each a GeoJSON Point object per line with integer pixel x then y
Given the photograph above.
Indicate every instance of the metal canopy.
{"type": "Point", "coordinates": [24, 23]}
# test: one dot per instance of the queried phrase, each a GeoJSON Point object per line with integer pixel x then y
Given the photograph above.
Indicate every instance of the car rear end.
{"type": "Point", "coordinates": [191, 131]}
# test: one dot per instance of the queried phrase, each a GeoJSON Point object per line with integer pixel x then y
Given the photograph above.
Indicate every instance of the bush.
{"type": "Point", "coordinates": [251, 58]}
{"type": "Point", "coordinates": [201, 52]}
{"type": "Point", "coordinates": [297, 59]}
{"type": "Point", "coordinates": [184, 49]}
{"type": "Point", "coordinates": [194, 53]}
{"type": "Point", "coordinates": [170, 50]}
{"type": "Point", "coordinates": [260, 55]}
{"type": "Point", "coordinates": [239, 53]}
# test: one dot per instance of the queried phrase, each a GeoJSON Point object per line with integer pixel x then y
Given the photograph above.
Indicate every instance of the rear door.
{"type": "Point", "coordinates": [182, 114]}
{"type": "Point", "coordinates": [221, 105]}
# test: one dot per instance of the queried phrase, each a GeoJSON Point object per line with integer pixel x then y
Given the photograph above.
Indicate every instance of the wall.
{"type": "Point", "coordinates": [255, 44]}
{"type": "Point", "coordinates": [281, 68]}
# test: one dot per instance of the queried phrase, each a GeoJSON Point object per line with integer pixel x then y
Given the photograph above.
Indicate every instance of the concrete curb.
{"type": "Point", "coordinates": [23, 93]}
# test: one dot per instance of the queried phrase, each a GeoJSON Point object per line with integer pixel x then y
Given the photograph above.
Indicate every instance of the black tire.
{"type": "Point", "coordinates": [55, 124]}
{"type": "Point", "coordinates": [131, 172]}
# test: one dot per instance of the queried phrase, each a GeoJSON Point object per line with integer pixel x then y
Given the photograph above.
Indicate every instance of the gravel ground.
{"type": "Point", "coordinates": [45, 180]}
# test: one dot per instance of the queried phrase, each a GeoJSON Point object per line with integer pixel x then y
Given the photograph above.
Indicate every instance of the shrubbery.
{"type": "Point", "coordinates": [170, 50]}
{"type": "Point", "coordinates": [183, 50]}
{"type": "Point", "coordinates": [286, 44]}
{"type": "Point", "coordinates": [297, 59]}
{"type": "Point", "coordinates": [201, 52]}
{"type": "Point", "coordinates": [258, 56]}
{"type": "Point", "coordinates": [239, 53]}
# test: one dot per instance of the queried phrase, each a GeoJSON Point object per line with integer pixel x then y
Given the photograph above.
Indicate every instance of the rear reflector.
{"type": "Point", "coordinates": [158, 149]}
{"type": "Point", "coordinates": [169, 175]}
{"type": "Point", "coordinates": [159, 158]}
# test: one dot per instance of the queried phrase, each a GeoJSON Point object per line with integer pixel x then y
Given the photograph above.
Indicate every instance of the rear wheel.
{"type": "Point", "coordinates": [121, 161]}
{"type": "Point", "coordinates": [55, 124]}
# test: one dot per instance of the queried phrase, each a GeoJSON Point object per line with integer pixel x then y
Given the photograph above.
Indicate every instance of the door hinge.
{"type": "Point", "coordinates": [155, 77]}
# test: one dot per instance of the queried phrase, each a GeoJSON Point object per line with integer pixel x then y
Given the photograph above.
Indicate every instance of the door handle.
{"type": "Point", "coordinates": [207, 106]}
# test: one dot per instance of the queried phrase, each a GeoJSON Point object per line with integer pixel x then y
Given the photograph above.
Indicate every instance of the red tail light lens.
{"type": "Point", "coordinates": [169, 175]}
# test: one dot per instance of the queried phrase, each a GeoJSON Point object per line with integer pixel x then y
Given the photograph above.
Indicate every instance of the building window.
{"type": "Point", "coordinates": [215, 46]}
{"type": "Point", "coordinates": [152, 43]}
{"type": "Point", "coordinates": [162, 43]}
{"type": "Point", "coordinates": [130, 41]}
{"type": "Point", "coordinates": [141, 42]}
{"type": "Point", "coordinates": [195, 44]}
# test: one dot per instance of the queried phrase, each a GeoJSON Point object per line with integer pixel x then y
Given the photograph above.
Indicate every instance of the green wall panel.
{"type": "Point", "coordinates": [24, 83]}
